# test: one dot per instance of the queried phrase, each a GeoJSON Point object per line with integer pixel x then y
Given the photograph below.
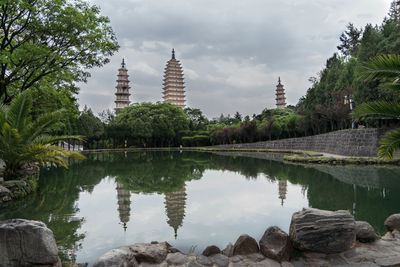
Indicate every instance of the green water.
{"type": "Point", "coordinates": [194, 199]}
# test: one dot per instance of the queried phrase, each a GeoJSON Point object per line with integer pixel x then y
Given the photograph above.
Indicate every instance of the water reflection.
{"type": "Point", "coordinates": [124, 205]}
{"type": "Point", "coordinates": [370, 193]}
{"type": "Point", "coordinates": [175, 204]}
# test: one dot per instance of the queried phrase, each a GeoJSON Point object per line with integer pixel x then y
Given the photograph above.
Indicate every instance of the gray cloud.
{"type": "Point", "coordinates": [232, 51]}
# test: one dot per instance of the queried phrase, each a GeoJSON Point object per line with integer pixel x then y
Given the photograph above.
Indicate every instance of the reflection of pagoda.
{"type": "Point", "coordinates": [282, 190]}
{"type": "Point", "coordinates": [124, 204]}
{"type": "Point", "coordinates": [175, 208]}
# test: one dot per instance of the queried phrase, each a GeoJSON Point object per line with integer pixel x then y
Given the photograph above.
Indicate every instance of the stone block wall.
{"type": "Point", "coordinates": [350, 142]}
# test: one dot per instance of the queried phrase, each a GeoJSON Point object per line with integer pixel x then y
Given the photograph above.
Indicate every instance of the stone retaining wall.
{"type": "Point", "coordinates": [350, 142]}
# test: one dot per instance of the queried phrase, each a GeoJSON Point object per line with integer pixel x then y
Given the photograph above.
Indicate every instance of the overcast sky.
{"type": "Point", "coordinates": [232, 51]}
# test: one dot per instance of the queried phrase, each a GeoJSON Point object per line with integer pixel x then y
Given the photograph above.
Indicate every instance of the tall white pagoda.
{"type": "Point", "coordinates": [173, 83]}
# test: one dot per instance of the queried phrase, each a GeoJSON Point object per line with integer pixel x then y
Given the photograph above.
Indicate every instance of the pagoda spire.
{"type": "Point", "coordinates": [122, 94]}
{"type": "Point", "coordinates": [173, 90]}
{"type": "Point", "coordinates": [280, 95]}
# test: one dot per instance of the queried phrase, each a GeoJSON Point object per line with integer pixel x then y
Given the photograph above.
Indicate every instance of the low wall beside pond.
{"type": "Point", "coordinates": [350, 142]}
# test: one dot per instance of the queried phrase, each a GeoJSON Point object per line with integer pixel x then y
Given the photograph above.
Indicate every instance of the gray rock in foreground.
{"type": "Point", "coordinates": [130, 256]}
{"type": "Point", "coordinates": [245, 245]}
{"type": "Point", "coordinates": [118, 257]}
{"type": "Point", "coordinates": [27, 243]}
{"type": "Point", "coordinates": [322, 231]}
{"type": "Point", "coordinates": [275, 244]}
{"type": "Point", "coordinates": [393, 222]}
{"type": "Point", "coordinates": [365, 232]}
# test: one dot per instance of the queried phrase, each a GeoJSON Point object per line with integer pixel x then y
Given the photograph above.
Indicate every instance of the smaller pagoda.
{"type": "Point", "coordinates": [282, 187]}
{"type": "Point", "coordinates": [122, 93]}
{"type": "Point", "coordinates": [280, 95]}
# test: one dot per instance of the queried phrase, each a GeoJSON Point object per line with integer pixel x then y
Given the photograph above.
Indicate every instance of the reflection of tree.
{"type": "Point", "coordinates": [55, 203]}
{"type": "Point", "coordinates": [175, 208]}
{"type": "Point", "coordinates": [157, 172]}
{"type": "Point", "coordinates": [124, 204]}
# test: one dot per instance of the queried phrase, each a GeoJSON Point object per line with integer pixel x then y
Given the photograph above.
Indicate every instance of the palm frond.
{"type": "Point", "coordinates": [19, 110]}
{"type": "Point", "coordinates": [381, 110]}
{"type": "Point", "coordinates": [382, 67]}
{"type": "Point", "coordinates": [45, 153]}
{"type": "Point", "coordinates": [389, 143]}
{"type": "Point", "coordinates": [44, 124]}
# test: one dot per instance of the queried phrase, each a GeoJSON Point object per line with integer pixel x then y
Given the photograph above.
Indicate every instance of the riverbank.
{"type": "Point", "coordinates": [19, 188]}
{"type": "Point", "coordinates": [296, 156]}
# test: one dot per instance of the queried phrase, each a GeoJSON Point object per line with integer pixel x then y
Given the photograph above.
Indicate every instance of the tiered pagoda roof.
{"type": "Point", "coordinates": [173, 83]}
{"type": "Point", "coordinates": [122, 93]}
{"type": "Point", "coordinates": [280, 95]}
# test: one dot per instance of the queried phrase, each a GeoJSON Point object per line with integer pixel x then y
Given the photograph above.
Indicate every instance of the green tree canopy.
{"type": "Point", "coordinates": [51, 42]}
{"type": "Point", "coordinates": [148, 124]}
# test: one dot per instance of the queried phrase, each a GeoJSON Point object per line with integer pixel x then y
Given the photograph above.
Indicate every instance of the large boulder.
{"type": "Point", "coordinates": [211, 250]}
{"type": "Point", "coordinates": [365, 232]}
{"type": "Point", "coordinates": [27, 243]}
{"type": "Point", "coordinates": [118, 257]}
{"type": "Point", "coordinates": [275, 244]}
{"type": "Point", "coordinates": [322, 231]}
{"type": "Point", "coordinates": [245, 245]}
{"type": "Point", "coordinates": [393, 222]}
{"type": "Point", "coordinates": [131, 256]}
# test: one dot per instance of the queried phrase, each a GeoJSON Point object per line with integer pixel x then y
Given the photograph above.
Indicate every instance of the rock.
{"type": "Point", "coordinates": [275, 244]}
{"type": "Point", "coordinates": [396, 233]}
{"type": "Point", "coordinates": [27, 243]}
{"type": "Point", "coordinates": [194, 264]}
{"type": "Point", "coordinates": [177, 258]}
{"type": "Point", "coordinates": [228, 251]}
{"type": "Point", "coordinates": [5, 194]}
{"type": "Point", "coordinates": [173, 250]}
{"type": "Point", "coordinates": [388, 236]}
{"type": "Point", "coordinates": [255, 257]}
{"type": "Point", "coordinates": [244, 245]}
{"type": "Point", "coordinates": [130, 256]}
{"type": "Point", "coordinates": [364, 232]}
{"type": "Point", "coordinates": [152, 253]}
{"type": "Point", "coordinates": [322, 231]}
{"type": "Point", "coordinates": [211, 250]}
{"type": "Point", "coordinates": [118, 257]}
{"type": "Point", "coordinates": [204, 260]}
{"type": "Point", "coordinates": [388, 261]}
{"type": "Point", "coordinates": [393, 222]}
{"type": "Point", "coordinates": [267, 263]}
{"type": "Point", "coordinates": [220, 260]}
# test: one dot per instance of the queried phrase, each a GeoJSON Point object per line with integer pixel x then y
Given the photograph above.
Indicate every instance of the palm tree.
{"type": "Point", "coordinates": [24, 141]}
{"type": "Point", "coordinates": [385, 67]}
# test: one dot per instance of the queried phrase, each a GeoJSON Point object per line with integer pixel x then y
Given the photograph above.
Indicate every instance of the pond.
{"type": "Point", "coordinates": [194, 199]}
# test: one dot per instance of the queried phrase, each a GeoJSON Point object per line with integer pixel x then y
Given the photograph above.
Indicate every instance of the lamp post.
{"type": "Point", "coordinates": [349, 100]}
